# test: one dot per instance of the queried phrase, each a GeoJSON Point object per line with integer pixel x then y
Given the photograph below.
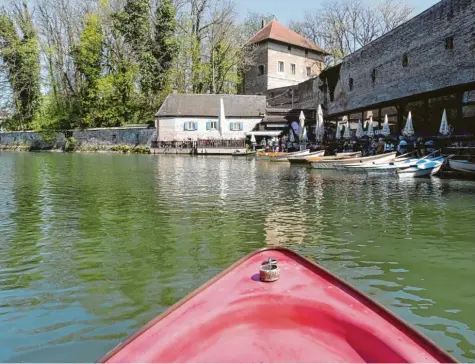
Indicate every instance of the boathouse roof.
{"type": "Point", "coordinates": [205, 105]}
{"type": "Point", "coordinates": [278, 32]}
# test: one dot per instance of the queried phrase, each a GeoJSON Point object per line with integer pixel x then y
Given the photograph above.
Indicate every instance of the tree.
{"type": "Point", "coordinates": [87, 57]}
{"type": "Point", "coordinates": [165, 43]}
{"type": "Point", "coordinates": [20, 56]}
{"type": "Point", "coordinates": [343, 26]}
{"type": "Point", "coordinates": [254, 21]}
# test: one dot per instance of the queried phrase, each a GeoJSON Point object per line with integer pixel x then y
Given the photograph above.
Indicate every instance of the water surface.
{"type": "Point", "coordinates": [93, 246]}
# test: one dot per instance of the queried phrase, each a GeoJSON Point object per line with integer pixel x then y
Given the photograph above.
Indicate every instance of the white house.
{"type": "Point", "coordinates": [196, 116]}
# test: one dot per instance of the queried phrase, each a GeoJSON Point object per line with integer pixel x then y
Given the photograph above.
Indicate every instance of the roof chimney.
{"type": "Point", "coordinates": [262, 23]}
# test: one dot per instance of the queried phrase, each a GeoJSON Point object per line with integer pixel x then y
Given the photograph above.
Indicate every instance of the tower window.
{"type": "Point", "coordinates": [449, 43]}
{"type": "Point", "coordinates": [280, 66]}
{"type": "Point", "coordinates": [351, 84]}
{"type": "Point", "coordinates": [306, 53]}
{"type": "Point", "coordinates": [261, 70]}
{"type": "Point", "coordinates": [292, 68]}
{"type": "Point", "coordinates": [309, 71]}
{"type": "Point", "coordinates": [289, 48]}
{"type": "Point", "coordinates": [405, 60]}
{"type": "Point", "coordinates": [373, 75]}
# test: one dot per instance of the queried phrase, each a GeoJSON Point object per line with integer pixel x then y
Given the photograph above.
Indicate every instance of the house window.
{"type": "Point", "coordinates": [449, 43]}
{"type": "Point", "coordinates": [260, 70]}
{"type": "Point", "coordinates": [211, 125]}
{"type": "Point", "coordinates": [405, 60]}
{"type": "Point", "coordinates": [351, 84]}
{"type": "Point", "coordinates": [309, 71]}
{"type": "Point", "coordinates": [235, 126]}
{"type": "Point", "coordinates": [292, 68]}
{"type": "Point", "coordinates": [280, 67]}
{"type": "Point", "coordinates": [306, 53]}
{"type": "Point", "coordinates": [289, 48]}
{"type": "Point", "coordinates": [191, 125]}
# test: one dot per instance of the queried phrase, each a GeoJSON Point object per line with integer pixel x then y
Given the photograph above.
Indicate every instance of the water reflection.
{"type": "Point", "coordinates": [94, 246]}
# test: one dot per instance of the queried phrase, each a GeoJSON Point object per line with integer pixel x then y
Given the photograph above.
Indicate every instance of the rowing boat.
{"type": "Point", "coordinates": [423, 168]}
{"type": "Point", "coordinates": [313, 158]}
{"type": "Point", "coordinates": [330, 164]}
{"type": "Point", "coordinates": [463, 166]}
{"type": "Point", "coordinates": [285, 157]}
{"type": "Point", "coordinates": [276, 306]}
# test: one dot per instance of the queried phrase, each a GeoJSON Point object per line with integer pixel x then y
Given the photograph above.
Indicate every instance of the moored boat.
{"type": "Point", "coordinates": [262, 155]}
{"type": "Point", "coordinates": [276, 306]}
{"type": "Point", "coordinates": [330, 164]}
{"type": "Point", "coordinates": [462, 166]}
{"type": "Point", "coordinates": [313, 158]}
{"type": "Point", "coordinates": [285, 157]}
{"type": "Point", "coordinates": [423, 168]}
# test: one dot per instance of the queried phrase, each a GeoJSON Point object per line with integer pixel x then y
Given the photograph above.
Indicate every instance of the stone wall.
{"type": "Point", "coordinates": [253, 82]}
{"type": "Point", "coordinates": [414, 58]}
{"type": "Point", "coordinates": [88, 138]}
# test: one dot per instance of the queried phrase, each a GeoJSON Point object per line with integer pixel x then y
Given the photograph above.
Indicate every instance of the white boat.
{"type": "Point", "coordinates": [349, 154]}
{"type": "Point", "coordinates": [462, 166]}
{"type": "Point", "coordinates": [287, 156]}
{"type": "Point", "coordinates": [424, 168]}
{"type": "Point", "coordinates": [332, 163]}
{"type": "Point", "coordinates": [390, 167]}
{"type": "Point", "coordinates": [378, 165]}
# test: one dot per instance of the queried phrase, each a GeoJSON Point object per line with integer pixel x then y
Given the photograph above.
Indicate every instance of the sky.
{"type": "Point", "coordinates": [287, 10]}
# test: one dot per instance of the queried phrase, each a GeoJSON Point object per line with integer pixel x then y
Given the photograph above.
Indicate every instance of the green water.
{"type": "Point", "coordinates": [93, 246]}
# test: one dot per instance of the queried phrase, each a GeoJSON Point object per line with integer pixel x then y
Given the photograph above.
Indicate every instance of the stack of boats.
{"type": "Point", "coordinates": [381, 164]}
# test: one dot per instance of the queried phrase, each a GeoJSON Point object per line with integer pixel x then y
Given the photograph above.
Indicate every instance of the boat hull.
{"type": "Point", "coordinates": [331, 164]}
{"type": "Point", "coordinates": [462, 166]}
{"type": "Point", "coordinates": [308, 315]}
{"type": "Point", "coordinates": [420, 171]}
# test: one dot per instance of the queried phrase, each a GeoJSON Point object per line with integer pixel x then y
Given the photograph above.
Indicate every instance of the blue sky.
{"type": "Point", "coordinates": [286, 10]}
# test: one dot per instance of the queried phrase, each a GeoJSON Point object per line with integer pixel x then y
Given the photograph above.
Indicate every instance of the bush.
{"type": "Point", "coordinates": [71, 145]}
{"type": "Point", "coordinates": [121, 148]}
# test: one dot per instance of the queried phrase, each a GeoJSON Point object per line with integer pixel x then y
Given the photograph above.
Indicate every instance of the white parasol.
{"type": "Point", "coordinates": [347, 134]}
{"type": "Point", "coordinates": [304, 135]}
{"type": "Point", "coordinates": [253, 139]}
{"type": "Point", "coordinates": [408, 129]}
{"type": "Point", "coordinates": [338, 131]}
{"type": "Point", "coordinates": [291, 136]}
{"type": "Point", "coordinates": [222, 117]}
{"type": "Point", "coordinates": [359, 130]}
{"type": "Point", "coordinates": [302, 123]}
{"type": "Point", "coordinates": [370, 131]}
{"type": "Point", "coordinates": [444, 125]}
{"type": "Point", "coordinates": [319, 130]}
{"type": "Point", "coordinates": [386, 131]}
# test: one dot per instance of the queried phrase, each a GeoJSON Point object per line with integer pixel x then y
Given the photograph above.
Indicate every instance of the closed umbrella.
{"type": "Point", "coordinates": [386, 130]}
{"type": "Point", "coordinates": [444, 125]}
{"type": "Point", "coordinates": [302, 123]}
{"type": "Point", "coordinates": [291, 136]}
{"type": "Point", "coordinates": [408, 129]}
{"type": "Point", "coordinates": [347, 134]}
{"type": "Point", "coordinates": [304, 135]}
{"type": "Point", "coordinates": [253, 139]}
{"type": "Point", "coordinates": [370, 131]}
{"type": "Point", "coordinates": [222, 117]}
{"type": "Point", "coordinates": [338, 131]}
{"type": "Point", "coordinates": [359, 130]}
{"type": "Point", "coordinates": [319, 130]}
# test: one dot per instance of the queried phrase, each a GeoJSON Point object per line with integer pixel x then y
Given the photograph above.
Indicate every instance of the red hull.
{"type": "Point", "coordinates": [308, 315]}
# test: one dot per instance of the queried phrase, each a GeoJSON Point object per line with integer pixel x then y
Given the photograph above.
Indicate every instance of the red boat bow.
{"type": "Point", "coordinates": [308, 315]}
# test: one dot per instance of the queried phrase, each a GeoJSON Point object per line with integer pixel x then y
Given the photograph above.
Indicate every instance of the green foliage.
{"type": "Point", "coordinates": [165, 48]}
{"type": "Point", "coordinates": [87, 57]}
{"type": "Point", "coordinates": [71, 145]}
{"type": "Point", "coordinates": [140, 149]}
{"type": "Point", "coordinates": [20, 54]}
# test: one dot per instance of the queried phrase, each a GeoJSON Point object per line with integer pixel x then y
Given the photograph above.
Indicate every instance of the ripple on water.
{"type": "Point", "coordinates": [94, 246]}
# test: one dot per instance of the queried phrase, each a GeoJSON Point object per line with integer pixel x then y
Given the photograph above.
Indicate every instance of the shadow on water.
{"type": "Point", "coordinates": [94, 246]}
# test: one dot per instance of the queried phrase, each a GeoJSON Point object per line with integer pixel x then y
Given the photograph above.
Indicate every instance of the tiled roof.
{"type": "Point", "coordinates": [276, 31]}
{"type": "Point", "coordinates": [208, 105]}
